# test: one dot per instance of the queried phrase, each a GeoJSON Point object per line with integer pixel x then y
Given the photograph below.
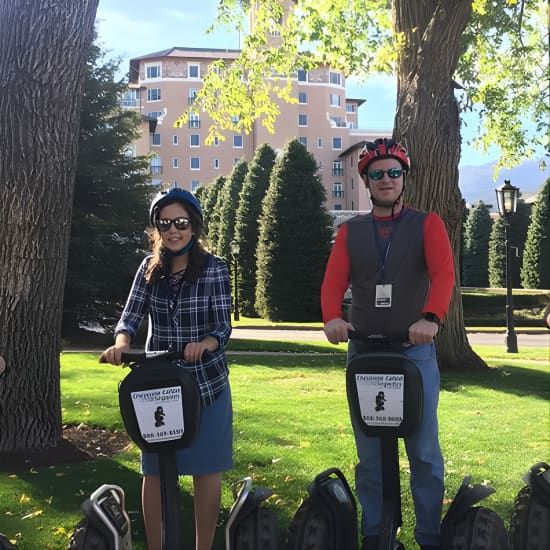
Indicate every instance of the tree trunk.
{"type": "Point", "coordinates": [44, 47]}
{"type": "Point", "coordinates": [427, 122]}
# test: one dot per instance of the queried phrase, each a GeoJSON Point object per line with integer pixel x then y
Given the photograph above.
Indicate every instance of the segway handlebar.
{"type": "Point", "coordinates": [380, 342]}
{"type": "Point", "coordinates": [132, 358]}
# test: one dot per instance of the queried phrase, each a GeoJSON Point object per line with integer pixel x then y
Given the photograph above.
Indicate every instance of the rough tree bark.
{"type": "Point", "coordinates": [44, 46]}
{"type": "Point", "coordinates": [428, 122]}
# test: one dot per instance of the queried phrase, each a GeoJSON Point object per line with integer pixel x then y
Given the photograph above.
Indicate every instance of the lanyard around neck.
{"type": "Point", "coordinates": [384, 253]}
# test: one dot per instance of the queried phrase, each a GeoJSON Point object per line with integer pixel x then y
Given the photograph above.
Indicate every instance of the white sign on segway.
{"type": "Point", "coordinates": [159, 413]}
{"type": "Point", "coordinates": [381, 398]}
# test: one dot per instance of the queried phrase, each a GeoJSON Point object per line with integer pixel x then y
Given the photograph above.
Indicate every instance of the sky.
{"type": "Point", "coordinates": [128, 29]}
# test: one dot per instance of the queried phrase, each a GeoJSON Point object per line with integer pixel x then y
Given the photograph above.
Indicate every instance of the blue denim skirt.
{"type": "Point", "coordinates": [212, 451]}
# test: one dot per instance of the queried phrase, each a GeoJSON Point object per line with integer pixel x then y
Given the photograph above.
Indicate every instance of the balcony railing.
{"type": "Point", "coordinates": [129, 102]}
{"type": "Point", "coordinates": [156, 169]}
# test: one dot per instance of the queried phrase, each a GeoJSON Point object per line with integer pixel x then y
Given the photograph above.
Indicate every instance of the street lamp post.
{"type": "Point", "coordinates": [235, 249]}
{"type": "Point", "coordinates": [507, 200]}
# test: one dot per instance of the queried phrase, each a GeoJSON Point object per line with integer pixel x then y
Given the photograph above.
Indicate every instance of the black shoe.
{"type": "Point", "coordinates": [430, 547]}
{"type": "Point", "coordinates": [370, 543]}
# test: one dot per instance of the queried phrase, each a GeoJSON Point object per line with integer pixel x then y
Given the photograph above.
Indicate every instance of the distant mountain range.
{"type": "Point", "coordinates": [476, 182]}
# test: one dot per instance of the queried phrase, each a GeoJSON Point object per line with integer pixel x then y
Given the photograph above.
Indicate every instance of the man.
{"type": "Point", "coordinates": [399, 263]}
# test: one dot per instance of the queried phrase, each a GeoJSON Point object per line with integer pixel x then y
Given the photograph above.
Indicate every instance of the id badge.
{"type": "Point", "coordinates": [383, 296]}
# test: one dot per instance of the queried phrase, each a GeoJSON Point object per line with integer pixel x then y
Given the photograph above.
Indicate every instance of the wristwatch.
{"type": "Point", "coordinates": [432, 317]}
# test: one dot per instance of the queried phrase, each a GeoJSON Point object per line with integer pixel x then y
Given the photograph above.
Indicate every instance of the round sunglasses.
{"type": "Point", "coordinates": [393, 173]}
{"type": "Point", "coordinates": [181, 223]}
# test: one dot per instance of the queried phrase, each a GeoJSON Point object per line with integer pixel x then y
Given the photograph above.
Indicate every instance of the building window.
{"type": "Point", "coordinates": [302, 97]}
{"type": "Point", "coordinates": [236, 160]}
{"type": "Point", "coordinates": [337, 190]}
{"type": "Point", "coordinates": [337, 168]}
{"type": "Point", "coordinates": [130, 98]}
{"type": "Point", "coordinates": [194, 70]}
{"type": "Point", "coordinates": [216, 141]}
{"type": "Point", "coordinates": [350, 107]}
{"type": "Point", "coordinates": [319, 143]}
{"type": "Point", "coordinates": [154, 114]}
{"type": "Point", "coordinates": [302, 120]}
{"type": "Point", "coordinates": [153, 94]}
{"type": "Point", "coordinates": [175, 140]}
{"type": "Point", "coordinates": [337, 143]}
{"type": "Point", "coordinates": [335, 100]}
{"type": "Point", "coordinates": [237, 142]}
{"type": "Point", "coordinates": [155, 139]}
{"type": "Point", "coordinates": [235, 119]}
{"type": "Point", "coordinates": [335, 78]}
{"type": "Point", "coordinates": [337, 207]}
{"type": "Point", "coordinates": [175, 162]}
{"type": "Point", "coordinates": [194, 185]}
{"type": "Point", "coordinates": [303, 141]}
{"type": "Point", "coordinates": [192, 96]}
{"type": "Point", "coordinates": [194, 121]}
{"type": "Point", "coordinates": [152, 71]}
{"type": "Point", "coordinates": [217, 164]}
{"type": "Point", "coordinates": [194, 140]}
{"type": "Point", "coordinates": [195, 163]}
{"type": "Point", "coordinates": [302, 75]}
{"type": "Point", "coordinates": [321, 166]}
{"type": "Point", "coordinates": [156, 165]}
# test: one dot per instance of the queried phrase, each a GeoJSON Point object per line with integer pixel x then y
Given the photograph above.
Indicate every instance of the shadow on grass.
{"type": "Point", "coordinates": [71, 484]}
{"type": "Point", "coordinates": [514, 379]}
{"type": "Point", "coordinates": [506, 378]}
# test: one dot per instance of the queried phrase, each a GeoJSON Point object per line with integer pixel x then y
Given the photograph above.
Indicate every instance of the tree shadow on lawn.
{"type": "Point", "coordinates": [505, 378]}
{"type": "Point", "coordinates": [71, 484]}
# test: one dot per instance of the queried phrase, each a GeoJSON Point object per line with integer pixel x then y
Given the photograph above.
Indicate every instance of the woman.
{"type": "Point", "coordinates": [185, 291]}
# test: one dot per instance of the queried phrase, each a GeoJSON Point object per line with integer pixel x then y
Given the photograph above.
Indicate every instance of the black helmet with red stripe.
{"type": "Point", "coordinates": [382, 148]}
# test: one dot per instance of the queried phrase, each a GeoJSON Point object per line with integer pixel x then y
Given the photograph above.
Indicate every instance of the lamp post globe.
{"type": "Point", "coordinates": [507, 200]}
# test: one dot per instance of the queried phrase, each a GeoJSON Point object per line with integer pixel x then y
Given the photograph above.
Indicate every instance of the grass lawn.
{"type": "Point", "coordinates": [291, 422]}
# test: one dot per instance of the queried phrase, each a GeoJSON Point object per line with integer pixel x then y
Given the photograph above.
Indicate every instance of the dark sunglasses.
{"type": "Point", "coordinates": [393, 173]}
{"type": "Point", "coordinates": [180, 223]}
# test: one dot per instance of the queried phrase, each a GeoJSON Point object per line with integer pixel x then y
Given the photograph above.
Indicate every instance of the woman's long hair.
{"type": "Point", "coordinates": [159, 264]}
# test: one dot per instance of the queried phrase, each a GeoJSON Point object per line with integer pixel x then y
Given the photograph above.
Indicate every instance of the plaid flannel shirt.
{"type": "Point", "coordinates": [200, 309]}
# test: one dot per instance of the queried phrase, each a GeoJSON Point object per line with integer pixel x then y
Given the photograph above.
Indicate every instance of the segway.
{"type": "Point", "coordinates": [385, 395]}
{"type": "Point", "coordinates": [106, 525]}
{"type": "Point", "coordinates": [250, 526]}
{"type": "Point", "coordinates": [160, 408]}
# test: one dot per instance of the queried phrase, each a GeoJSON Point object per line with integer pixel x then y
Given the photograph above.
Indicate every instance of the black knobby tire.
{"type": "Point", "coordinates": [259, 531]}
{"type": "Point", "coordinates": [530, 523]}
{"type": "Point", "coordinates": [307, 530]}
{"type": "Point", "coordinates": [87, 537]}
{"type": "Point", "coordinates": [479, 529]}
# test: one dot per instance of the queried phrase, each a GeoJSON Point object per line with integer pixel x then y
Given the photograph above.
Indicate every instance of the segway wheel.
{"type": "Point", "coordinates": [258, 531]}
{"type": "Point", "coordinates": [307, 530]}
{"type": "Point", "coordinates": [479, 528]}
{"type": "Point", "coordinates": [86, 537]}
{"type": "Point", "coordinates": [529, 524]}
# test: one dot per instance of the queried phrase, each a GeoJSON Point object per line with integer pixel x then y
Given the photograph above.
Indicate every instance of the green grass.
{"type": "Point", "coordinates": [291, 422]}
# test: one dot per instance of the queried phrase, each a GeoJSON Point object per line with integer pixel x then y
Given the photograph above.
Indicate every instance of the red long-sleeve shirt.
{"type": "Point", "coordinates": [439, 263]}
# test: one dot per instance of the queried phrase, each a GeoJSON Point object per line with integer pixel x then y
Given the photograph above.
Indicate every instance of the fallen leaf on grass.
{"type": "Point", "coordinates": [34, 514]}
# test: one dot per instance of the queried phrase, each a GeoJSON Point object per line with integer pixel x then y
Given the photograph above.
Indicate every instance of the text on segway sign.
{"type": "Point", "coordinates": [159, 413]}
{"type": "Point", "coordinates": [381, 398]}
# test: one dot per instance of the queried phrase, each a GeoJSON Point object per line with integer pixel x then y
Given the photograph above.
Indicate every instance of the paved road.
{"type": "Point", "coordinates": [539, 340]}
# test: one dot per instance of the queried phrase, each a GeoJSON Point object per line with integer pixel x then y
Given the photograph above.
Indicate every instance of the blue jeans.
{"type": "Point", "coordinates": [423, 451]}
